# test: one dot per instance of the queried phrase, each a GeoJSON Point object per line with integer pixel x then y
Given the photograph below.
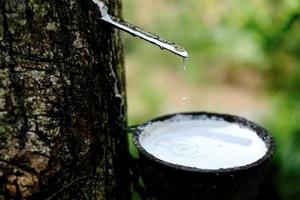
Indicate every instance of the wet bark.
{"type": "Point", "coordinates": [62, 102]}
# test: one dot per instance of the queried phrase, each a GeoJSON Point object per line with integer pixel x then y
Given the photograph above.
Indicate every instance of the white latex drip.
{"type": "Point", "coordinates": [103, 10]}
{"type": "Point", "coordinates": [184, 60]}
{"type": "Point", "coordinates": [202, 143]}
{"type": "Point", "coordinates": [184, 98]}
{"type": "Point", "coordinates": [136, 31]}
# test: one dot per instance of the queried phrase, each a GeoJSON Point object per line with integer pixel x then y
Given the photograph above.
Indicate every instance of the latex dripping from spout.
{"type": "Point", "coordinates": [139, 32]}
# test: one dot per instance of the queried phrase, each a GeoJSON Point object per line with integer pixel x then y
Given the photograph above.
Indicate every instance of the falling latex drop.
{"type": "Point", "coordinates": [184, 60]}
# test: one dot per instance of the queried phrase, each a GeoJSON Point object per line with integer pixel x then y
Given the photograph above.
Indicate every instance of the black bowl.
{"type": "Point", "coordinates": [167, 181]}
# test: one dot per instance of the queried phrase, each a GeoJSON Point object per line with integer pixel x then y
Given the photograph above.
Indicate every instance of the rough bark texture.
{"type": "Point", "coordinates": [62, 102]}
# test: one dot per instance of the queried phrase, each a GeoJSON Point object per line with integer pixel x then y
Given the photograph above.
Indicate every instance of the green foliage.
{"type": "Point", "coordinates": [225, 38]}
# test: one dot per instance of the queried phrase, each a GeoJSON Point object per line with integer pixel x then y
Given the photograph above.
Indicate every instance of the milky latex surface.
{"type": "Point", "coordinates": [202, 143]}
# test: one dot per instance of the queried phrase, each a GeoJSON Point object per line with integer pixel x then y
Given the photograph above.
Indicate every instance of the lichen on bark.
{"type": "Point", "coordinates": [62, 102]}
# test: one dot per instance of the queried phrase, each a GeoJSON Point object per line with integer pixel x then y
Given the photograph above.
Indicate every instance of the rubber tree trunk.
{"type": "Point", "coordinates": [62, 102]}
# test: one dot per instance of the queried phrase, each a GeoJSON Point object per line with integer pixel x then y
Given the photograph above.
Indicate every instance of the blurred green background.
{"type": "Point", "coordinates": [244, 60]}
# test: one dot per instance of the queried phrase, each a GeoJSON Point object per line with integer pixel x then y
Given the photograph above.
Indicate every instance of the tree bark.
{"type": "Point", "coordinates": [62, 102]}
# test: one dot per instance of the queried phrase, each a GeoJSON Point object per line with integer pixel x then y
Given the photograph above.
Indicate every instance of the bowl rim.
{"type": "Point", "coordinates": [260, 131]}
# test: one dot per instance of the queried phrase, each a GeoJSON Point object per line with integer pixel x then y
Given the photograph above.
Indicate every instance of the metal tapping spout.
{"type": "Point", "coordinates": [139, 32]}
